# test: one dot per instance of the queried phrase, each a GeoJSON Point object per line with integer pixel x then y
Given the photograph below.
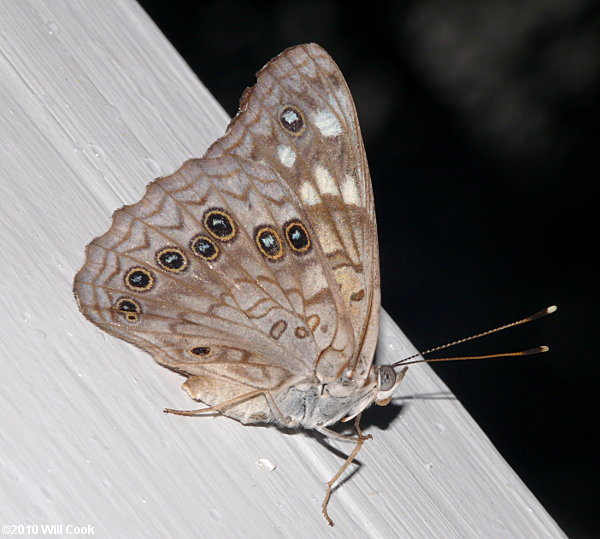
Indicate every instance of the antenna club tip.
{"type": "Point", "coordinates": [537, 350]}
{"type": "Point", "coordinates": [543, 312]}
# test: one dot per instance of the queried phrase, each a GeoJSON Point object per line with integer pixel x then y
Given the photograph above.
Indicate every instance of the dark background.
{"type": "Point", "coordinates": [480, 121]}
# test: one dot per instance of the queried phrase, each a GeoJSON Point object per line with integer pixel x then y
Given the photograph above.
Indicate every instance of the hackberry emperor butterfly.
{"type": "Point", "coordinates": [254, 270]}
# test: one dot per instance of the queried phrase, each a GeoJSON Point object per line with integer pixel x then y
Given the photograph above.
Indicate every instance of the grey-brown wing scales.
{"type": "Point", "coordinates": [214, 272]}
{"type": "Point", "coordinates": [300, 119]}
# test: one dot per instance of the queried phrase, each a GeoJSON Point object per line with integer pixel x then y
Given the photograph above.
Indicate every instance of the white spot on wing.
{"type": "Point", "coordinates": [325, 182]}
{"type": "Point", "coordinates": [287, 156]}
{"type": "Point", "coordinates": [314, 283]}
{"type": "Point", "coordinates": [327, 122]}
{"type": "Point", "coordinates": [308, 194]}
{"type": "Point", "coordinates": [342, 99]}
{"type": "Point", "coordinates": [290, 116]}
{"type": "Point", "coordinates": [350, 191]}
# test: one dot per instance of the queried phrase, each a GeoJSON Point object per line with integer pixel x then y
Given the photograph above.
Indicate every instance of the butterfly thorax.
{"type": "Point", "coordinates": [311, 403]}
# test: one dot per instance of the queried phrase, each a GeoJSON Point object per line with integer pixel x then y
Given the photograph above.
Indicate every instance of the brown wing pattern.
{"type": "Point", "coordinates": [300, 119]}
{"type": "Point", "coordinates": [257, 264]}
{"type": "Point", "coordinates": [183, 274]}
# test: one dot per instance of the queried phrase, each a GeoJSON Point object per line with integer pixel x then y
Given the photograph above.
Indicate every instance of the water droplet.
{"type": "Point", "coordinates": [429, 465]}
{"type": "Point", "coordinates": [215, 514]}
{"type": "Point", "coordinates": [98, 151]}
{"type": "Point", "coordinates": [25, 316]}
{"type": "Point", "coordinates": [152, 166]}
{"type": "Point", "coordinates": [40, 335]}
{"type": "Point", "coordinates": [106, 483]}
{"type": "Point", "coordinates": [53, 28]}
{"type": "Point", "coordinates": [441, 429]}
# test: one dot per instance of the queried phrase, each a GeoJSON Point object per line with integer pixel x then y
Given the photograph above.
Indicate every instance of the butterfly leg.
{"type": "Point", "coordinates": [218, 407]}
{"type": "Point", "coordinates": [360, 440]}
{"type": "Point", "coordinates": [284, 421]}
{"type": "Point", "coordinates": [336, 435]}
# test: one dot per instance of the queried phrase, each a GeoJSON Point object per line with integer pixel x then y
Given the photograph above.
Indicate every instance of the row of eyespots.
{"type": "Point", "coordinates": [270, 245]}
{"type": "Point", "coordinates": [218, 223]}
{"type": "Point", "coordinates": [221, 226]}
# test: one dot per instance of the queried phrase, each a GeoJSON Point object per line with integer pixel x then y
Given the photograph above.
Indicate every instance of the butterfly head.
{"type": "Point", "coordinates": [387, 382]}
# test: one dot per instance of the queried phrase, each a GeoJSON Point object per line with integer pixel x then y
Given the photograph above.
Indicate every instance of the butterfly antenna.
{"type": "Point", "coordinates": [537, 350]}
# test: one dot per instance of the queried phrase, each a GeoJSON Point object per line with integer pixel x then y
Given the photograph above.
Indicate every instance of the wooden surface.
{"type": "Point", "coordinates": [94, 104]}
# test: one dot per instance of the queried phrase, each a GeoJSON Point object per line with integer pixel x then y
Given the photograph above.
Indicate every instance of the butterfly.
{"type": "Point", "coordinates": [254, 270]}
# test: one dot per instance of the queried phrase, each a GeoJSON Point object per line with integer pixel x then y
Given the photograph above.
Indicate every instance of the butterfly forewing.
{"type": "Point", "coordinates": [300, 119]}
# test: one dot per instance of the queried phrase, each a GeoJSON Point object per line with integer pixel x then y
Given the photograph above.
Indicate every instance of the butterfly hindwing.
{"type": "Point", "coordinates": [215, 273]}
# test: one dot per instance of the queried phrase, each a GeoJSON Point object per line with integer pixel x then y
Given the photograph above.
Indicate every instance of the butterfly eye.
{"type": "Point", "coordinates": [292, 120]}
{"type": "Point", "coordinates": [204, 248]}
{"type": "Point", "coordinates": [172, 259]}
{"type": "Point", "coordinates": [297, 236]}
{"type": "Point", "coordinates": [386, 378]}
{"type": "Point", "coordinates": [268, 242]}
{"type": "Point", "coordinates": [139, 280]}
{"type": "Point", "coordinates": [129, 308]}
{"type": "Point", "coordinates": [220, 224]}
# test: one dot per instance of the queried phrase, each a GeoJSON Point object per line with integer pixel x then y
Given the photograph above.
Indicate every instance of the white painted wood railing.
{"type": "Point", "coordinates": [95, 103]}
